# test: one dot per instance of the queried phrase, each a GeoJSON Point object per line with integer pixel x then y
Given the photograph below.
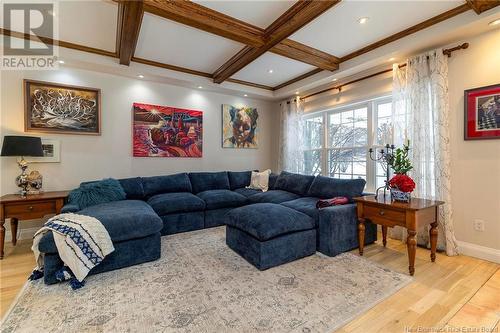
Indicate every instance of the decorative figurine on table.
{"type": "Point", "coordinates": [385, 157]}
{"type": "Point", "coordinates": [401, 185]}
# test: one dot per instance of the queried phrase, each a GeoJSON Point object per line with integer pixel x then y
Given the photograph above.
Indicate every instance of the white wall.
{"type": "Point", "coordinates": [475, 164]}
{"type": "Point", "coordinates": [110, 154]}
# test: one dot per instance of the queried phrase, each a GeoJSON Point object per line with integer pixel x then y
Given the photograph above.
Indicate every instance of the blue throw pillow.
{"type": "Point", "coordinates": [94, 193]}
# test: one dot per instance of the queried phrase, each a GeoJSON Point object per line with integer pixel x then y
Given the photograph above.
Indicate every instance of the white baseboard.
{"type": "Point", "coordinates": [24, 233]}
{"type": "Point", "coordinates": [478, 251]}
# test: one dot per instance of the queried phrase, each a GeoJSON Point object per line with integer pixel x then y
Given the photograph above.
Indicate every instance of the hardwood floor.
{"type": "Point", "coordinates": [452, 292]}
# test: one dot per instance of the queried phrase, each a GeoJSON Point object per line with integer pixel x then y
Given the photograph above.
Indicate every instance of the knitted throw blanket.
{"type": "Point", "coordinates": [82, 243]}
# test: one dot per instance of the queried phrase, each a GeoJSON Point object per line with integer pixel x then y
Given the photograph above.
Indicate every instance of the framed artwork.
{"type": "Point", "coordinates": [59, 108]}
{"type": "Point", "coordinates": [163, 131]}
{"type": "Point", "coordinates": [482, 113]}
{"type": "Point", "coordinates": [239, 127]}
{"type": "Point", "coordinates": [51, 152]}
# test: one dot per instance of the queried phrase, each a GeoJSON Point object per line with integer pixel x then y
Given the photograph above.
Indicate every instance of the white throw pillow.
{"type": "Point", "coordinates": [260, 180]}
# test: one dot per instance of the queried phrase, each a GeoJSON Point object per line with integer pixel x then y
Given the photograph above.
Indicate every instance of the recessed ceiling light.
{"type": "Point", "coordinates": [270, 71]}
{"type": "Point", "coordinates": [363, 20]}
{"type": "Point", "coordinates": [245, 95]}
{"type": "Point", "coordinates": [495, 22]}
{"type": "Point", "coordinates": [392, 59]}
{"type": "Point", "coordinates": [200, 87]}
{"type": "Point", "coordinates": [60, 61]}
{"type": "Point", "coordinates": [334, 80]}
{"type": "Point", "coordinates": [140, 76]}
{"type": "Point", "coordinates": [296, 93]}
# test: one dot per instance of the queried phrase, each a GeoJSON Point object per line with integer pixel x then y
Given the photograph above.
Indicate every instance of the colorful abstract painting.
{"type": "Point", "coordinates": [162, 131]}
{"type": "Point", "coordinates": [239, 127]}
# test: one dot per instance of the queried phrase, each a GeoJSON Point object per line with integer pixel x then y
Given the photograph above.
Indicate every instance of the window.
{"type": "Point", "coordinates": [340, 149]}
{"type": "Point", "coordinates": [313, 137]}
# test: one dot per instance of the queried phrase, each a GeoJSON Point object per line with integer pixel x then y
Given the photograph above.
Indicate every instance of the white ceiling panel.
{"type": "Point", "coordinates": [90, 23]}
{"type": "Point", "coordinates": [338, 31]}
{"type": "Point", "coordinates": [177, 44]}
{"type": "Point", "coordinates": [259, 13]}
{"type": "Point", "coordinates": [283, 69]}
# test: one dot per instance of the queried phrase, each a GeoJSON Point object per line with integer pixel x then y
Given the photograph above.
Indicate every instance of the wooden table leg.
{"type": "Point", "coordinates": [2, 230]}
{"type": "Point", "coordinates": [361, 235]}
{"type": "Point", "coordinates": [411, 244]}
{"type": "Point", "coordinates": [384, 235]}
{"type": "Point", "coordinates": [13, 228]}
{"type": "Point", "coordinates": [433, 236]}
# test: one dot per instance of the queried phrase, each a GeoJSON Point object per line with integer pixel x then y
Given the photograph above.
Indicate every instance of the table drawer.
{"type": "Point", "coordinates": [379, 213]}
{"type": "Point", "coordinates": [30, 209]}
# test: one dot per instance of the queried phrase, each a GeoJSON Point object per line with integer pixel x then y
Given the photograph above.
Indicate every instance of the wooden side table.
{"type": "Point", "coordinates": [412, 215]}
{"type": "Point", "coordinates": [33, 206]}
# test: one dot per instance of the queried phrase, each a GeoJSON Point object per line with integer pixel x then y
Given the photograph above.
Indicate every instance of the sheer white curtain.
{"type": "Point", "coordinates": [291, 139]}
{"type": "Point", "coordinates": [421, 114]}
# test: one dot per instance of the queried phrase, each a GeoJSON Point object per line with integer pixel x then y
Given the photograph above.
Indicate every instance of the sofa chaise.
{"type": "Point", "coordinates": [164, 205]}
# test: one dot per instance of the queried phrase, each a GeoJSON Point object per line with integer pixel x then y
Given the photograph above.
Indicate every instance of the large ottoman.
{"type": "Point", "coordinates": [268, 235]}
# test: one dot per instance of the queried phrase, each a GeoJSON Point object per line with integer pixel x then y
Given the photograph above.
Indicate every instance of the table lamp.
{"type": "Point", "coordinates": [14, 145]}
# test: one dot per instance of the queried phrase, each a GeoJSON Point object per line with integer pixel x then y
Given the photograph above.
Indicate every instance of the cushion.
{"type": "Point", "coordinates": [247, 191]}
{"type": "Point", "coordinates": [265, 220]}
{"type": "Point", "coordinates": [326, 187]}
{"type": "Point", "coordinates": [124, 220]}
{"type": "Point", "coordinates": [166, 184]}
{"type": "Point", "coordinates": [293, 182]}
{"type": "Point", "coordinates": [274, 196]}
{"type": "Point", "coordinates": [272, 180]}
{"type": "Point", "coordinates": [93, 193]}
{"type": "Point", "coordinates": [260, 180]}
{"type": "Point", "coordinates": [177, 202]}
{"type": "Point", "coordinates": [205, 181]}
{"type": "Point", "coordinates": [215, 199]}
{"type": "Point", "coordinates": [239, 179]}
{"type": "Point", "coordinates": [305, 205]}
{"type": "Point", "coordinates": [133, 187]}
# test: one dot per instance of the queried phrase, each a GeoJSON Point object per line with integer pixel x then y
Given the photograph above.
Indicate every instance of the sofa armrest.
{"type": "Point", "coordinates": [70, 208]}
{"type": "Point", "coordinates": [338, 230]}
{"type": "Point", "coordinates": [366, 194]}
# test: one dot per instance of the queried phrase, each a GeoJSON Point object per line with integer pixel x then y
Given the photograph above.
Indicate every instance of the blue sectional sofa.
{"type": "Point", "coordinates": [163, 205]}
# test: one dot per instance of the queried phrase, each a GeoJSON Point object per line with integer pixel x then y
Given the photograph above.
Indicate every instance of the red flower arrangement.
{"type": "Point", "coordinates": [402, 182]}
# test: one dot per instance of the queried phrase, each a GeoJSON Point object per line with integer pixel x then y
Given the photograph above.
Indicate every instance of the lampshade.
{"type": "Point", "coordinates": [14, 145]}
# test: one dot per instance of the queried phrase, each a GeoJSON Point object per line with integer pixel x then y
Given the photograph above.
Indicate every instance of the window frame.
{"type": "Point", "coordinates": [372, 119]}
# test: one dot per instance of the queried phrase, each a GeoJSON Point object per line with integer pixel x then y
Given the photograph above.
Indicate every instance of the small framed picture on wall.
{"type": "Point", "coordinates": [482, 113]}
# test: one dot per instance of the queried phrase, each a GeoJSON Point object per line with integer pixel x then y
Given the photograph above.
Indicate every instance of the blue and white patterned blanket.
{"type": "Point", "coordinates": [82, 242]}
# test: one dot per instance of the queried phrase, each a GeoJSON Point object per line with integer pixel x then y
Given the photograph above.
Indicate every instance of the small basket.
{"type": "Point", "coordinates": [398, 195]}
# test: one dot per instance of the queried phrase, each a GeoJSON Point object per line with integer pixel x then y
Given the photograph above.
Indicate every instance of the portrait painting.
{"type": "Point", "coordinates": [60, 108]}
{"type": "Point", "coordinates": [163, 131]}
{"type": "Point", "coordinates": [482, 113]}
{"type": "Point", "coordinates": [239, 127]}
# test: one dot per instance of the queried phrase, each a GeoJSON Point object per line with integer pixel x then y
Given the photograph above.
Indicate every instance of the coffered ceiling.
{"type": "Point", "coordinates": [264, 44]}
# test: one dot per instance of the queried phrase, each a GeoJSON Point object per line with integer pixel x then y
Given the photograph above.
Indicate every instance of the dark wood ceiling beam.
{"type": "Point", "coordinates": [480, 6]}
{"type": "Point", "coordinates": [297, 51]}
{"type": "Point", "coordinates": [292, 20]}
{"type": "Point", "coordinates": [206, 19]}
{"type": "Point", "coordinates": [130, 15]}
{"type": "Point", "coordinates": [418, 27]}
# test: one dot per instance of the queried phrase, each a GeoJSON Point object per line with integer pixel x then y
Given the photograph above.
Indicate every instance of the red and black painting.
{"type": "Point", "coordinates": [163, 131]}
{"type": "Point", "coordinates": [482, 113]}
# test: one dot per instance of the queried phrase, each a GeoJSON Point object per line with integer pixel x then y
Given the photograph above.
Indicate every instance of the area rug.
{"type": "Point", "coordinates": [200, 285]}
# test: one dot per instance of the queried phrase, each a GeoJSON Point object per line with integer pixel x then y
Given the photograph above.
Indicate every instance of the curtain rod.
{"type": "Point", "coordinates": [339, 87]}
